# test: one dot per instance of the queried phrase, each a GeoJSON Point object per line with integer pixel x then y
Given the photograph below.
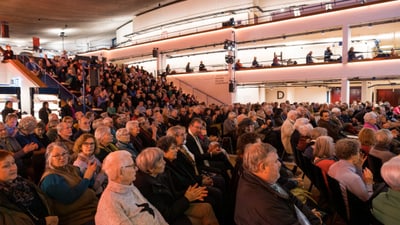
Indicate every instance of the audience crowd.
{"type": "Point", "coordinates": [150, 154]}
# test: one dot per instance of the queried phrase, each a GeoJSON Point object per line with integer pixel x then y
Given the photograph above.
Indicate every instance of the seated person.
{"type": "Point", "coordinates": [366, 136]}
{"type": "Point", "coordinates": [121, 202]}
{"type": "Point", "coordinates": [259, 199]}
{"type": "Point", "coordinates": [348, 170]}
{"type": "Point", "coordinates": [381, 149]}
{"type": "Point", "coordinates": [309, 58]}
{"type": "Point", "coordinates": [275, 61]}
{"type": "Point", "coordinates": [238, 65]}
{"type": "Point", "coordinates": [386, 205]}
{"type": "Point", "coordinates": [185, 208]}
{"type": "Point", "coordinates": [255, 63]}
{"type": "Point", "coordinates": [19, 196]}
{"type": "Point", "coordinates": [327, 55]}
{"type": "Point", "coordinates": [202, 67]}
{"type": "Point", "coordinates": [351, 55]}
{"type": "Point", "coordinates": [74, 202]}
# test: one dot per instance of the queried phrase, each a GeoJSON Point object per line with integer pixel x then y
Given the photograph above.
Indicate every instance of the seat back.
{"type": "Point", "coordinates": [319, 182]}
{"type": "Point", "coordinates": [336, 198]}
{"type": "Point", "coordinates": [359, 211]}
{"type": "Point", "coordinates": [375, 164]}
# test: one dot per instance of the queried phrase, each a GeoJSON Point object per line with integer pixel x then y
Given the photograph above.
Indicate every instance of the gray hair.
{"type": "Point", "coordinates": [305, 130]}
{"type": "Point", "coordinates": [291, 113]}
{"type": "Point", "coordinates": [130, 124]}
{"type": "Point", "coordinates": [173, 131]}
{"type": "Point", "coordinates": [369, 116]}
{"type": "Point", "coordinates": [148, 158]}
{"type": "Point", "coordinates": [62, 126]}
{"type": "Point", "coordinates": [121, 132]}
{"type": "Point", "coordinates": [390, 172]}
{"type": "Point", "coordinates": [300, 122]}
{"type": "Point", "coordinates": [101, 132]}
{"type": "Point", "coordinates": [318, 131]}
{"type": "Point", "coordinates": [97, 123]}
{"type": "Point", "coordinates": [27, 124]}
{"type": "Point", "coordinates": [383, 137]}
{"type": "Point", "coordinates": [254, 154]}
{"type": "Point", "coordinates": [49, 151]}
{"type": "Point", "coordinates": [114, 161]}
{"type": "Point", "coordinates": [324, 147]}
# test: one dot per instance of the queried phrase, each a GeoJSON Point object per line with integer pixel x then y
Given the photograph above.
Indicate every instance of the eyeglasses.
{"type": "Point", "coordinates": [61, 155]}
{"type": "Point", "coordinates": [89, 143]}
{"type": "Point", "coordinates": [130, 166]}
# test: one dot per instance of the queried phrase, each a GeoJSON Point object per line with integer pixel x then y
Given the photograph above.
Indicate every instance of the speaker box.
{"type": "Point", "coordinates": [231, 87]}
{"type": "Point", "coordinates": [5, 31]}
{"type": "Point", "coordinates": [94, 77]}
{"type": "Point", "coordinates": [155, 52]}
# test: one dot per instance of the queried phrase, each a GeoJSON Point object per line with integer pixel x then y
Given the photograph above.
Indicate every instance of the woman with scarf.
{"type": "Point", "coordinates": [21, 202]}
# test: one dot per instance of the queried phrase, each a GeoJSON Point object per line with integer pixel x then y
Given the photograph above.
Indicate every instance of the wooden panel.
{"type": "Point", "coordinates": [390, 95]}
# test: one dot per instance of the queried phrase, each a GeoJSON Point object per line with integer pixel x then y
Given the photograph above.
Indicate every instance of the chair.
{"type": "Point", "coordinates": [352, 209]}
{"type": "Point", "coordinates": [319, 182]}
{"type": "Point", "coordinates": [375, 164]}
{"type": "Point", "coordinates": [336, 199]}
{"type": "Point", "coordinates": [307, 169]}
{"type": "Point", "coordinates": [227, 145]}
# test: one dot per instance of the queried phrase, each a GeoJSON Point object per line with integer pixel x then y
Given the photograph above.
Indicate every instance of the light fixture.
{"type": "Point", "coordinates": [229, 59]}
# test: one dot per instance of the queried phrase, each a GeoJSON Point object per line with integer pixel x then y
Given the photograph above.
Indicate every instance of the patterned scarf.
{"type": "Point", "coordinates": [18, 191]}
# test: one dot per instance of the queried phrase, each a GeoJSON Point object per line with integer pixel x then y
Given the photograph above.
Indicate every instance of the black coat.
{"type": "Point", "coordinates": [170, 205]}
{"type": "Point", "coordinates": [258, 203]}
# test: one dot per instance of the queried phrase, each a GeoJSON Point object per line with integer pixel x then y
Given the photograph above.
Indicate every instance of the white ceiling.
{"type": "Point", "coordinates": [85, 22]}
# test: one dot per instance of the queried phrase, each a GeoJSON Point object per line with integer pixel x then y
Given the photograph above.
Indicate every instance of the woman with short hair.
{"type": "Point", "coordinates": [185, 208]}
{"type": "Point", "coordinates": [73, 201]}
{"type": "Point", "coordinates": [121, 202]}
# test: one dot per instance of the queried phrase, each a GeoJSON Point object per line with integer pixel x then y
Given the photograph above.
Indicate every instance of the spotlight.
{"type": "Point", "coordinates": [229, 59]}
{"type": "Point", "coordinates": [229, 45]}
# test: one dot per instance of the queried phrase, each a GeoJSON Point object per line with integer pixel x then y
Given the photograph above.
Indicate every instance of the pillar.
{"type": "Point", "coordinates": [345, 90]}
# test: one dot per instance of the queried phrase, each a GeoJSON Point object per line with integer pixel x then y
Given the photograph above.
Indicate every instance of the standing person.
{"type": "Point", "coordinates": [260, 199]}
{"type": "Point", "coordinates": [8, 108]}
{"type": "Point", "coordinates": [44, 113]}
{"type": "Point", "coordinates": [121, 202]}
{"type": "Point", "coordinates": [73, 201]}
{"type": "Point", "coordinates": [188, 69]}
{"type": "Point", "coordinates": [287, 130]}
{"type": "Point", "coordinates": [21, 202]}
{"type": "Point", "coordinates": [8, 53]}
{"type": "Point", "coordinates": [168, 69]}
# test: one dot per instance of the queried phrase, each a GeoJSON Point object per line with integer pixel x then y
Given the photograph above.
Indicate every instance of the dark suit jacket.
{"type": "Point", "coordinates": [193, 148]}
{"type": "Point", "coordinates": [171, 206]}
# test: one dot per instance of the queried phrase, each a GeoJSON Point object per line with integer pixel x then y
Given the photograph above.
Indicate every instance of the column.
{"type": "Point", "coordinates": [345, 91]}
{"type": "Point", "coordinates": [346, 33]}
{"type": "Point", "coordinates": [365, 92]}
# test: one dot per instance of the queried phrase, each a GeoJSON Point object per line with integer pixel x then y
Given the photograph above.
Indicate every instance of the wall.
{"type": "Point", "coordinates": [213, 84]}
{"type": "Point", "coordinates": [8, 73]}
